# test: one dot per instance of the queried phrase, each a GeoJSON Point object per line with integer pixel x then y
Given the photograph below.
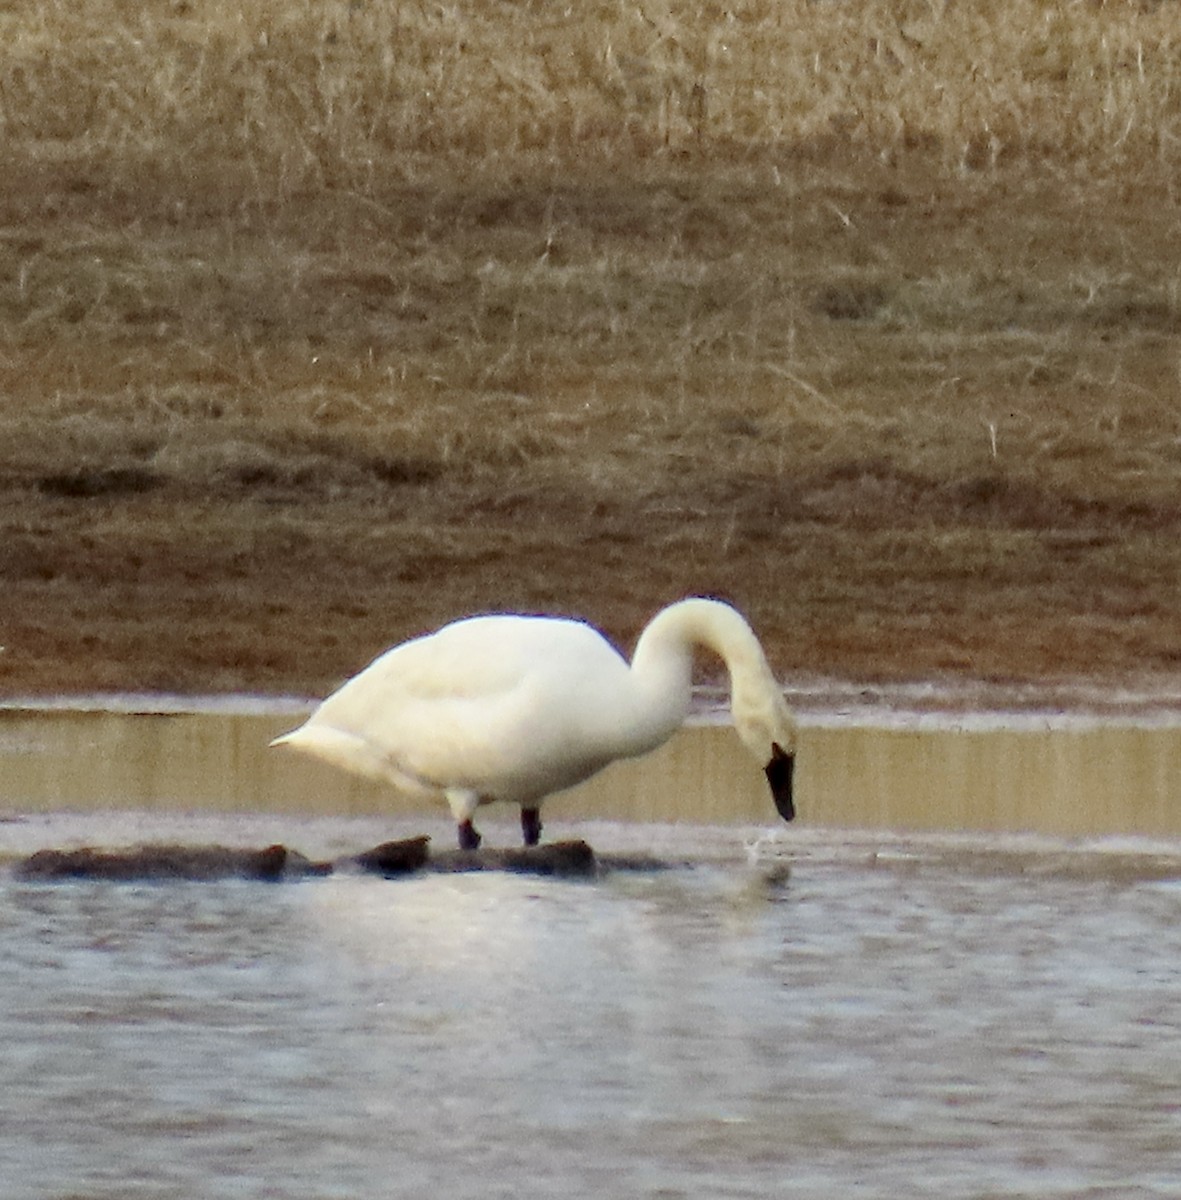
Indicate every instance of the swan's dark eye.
{"type": "Point", "coordinates": [779, 772]}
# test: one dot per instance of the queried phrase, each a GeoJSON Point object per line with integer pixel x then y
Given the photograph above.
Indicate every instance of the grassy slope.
{"type": "Point", "coordinates": [322, 325]}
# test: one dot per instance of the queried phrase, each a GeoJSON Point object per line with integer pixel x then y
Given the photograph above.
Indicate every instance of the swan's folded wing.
{"type": "Point", "coordinates": [494, 705]}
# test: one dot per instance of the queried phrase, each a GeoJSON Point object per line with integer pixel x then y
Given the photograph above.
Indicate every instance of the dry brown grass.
{"type": "Point", "coordinates": [293, 95]}
{"type": "Point", "coordinates": [320, 324]}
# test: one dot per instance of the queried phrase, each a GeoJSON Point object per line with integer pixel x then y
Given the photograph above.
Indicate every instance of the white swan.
{"type": "Point", "coordinates": [514, 708]}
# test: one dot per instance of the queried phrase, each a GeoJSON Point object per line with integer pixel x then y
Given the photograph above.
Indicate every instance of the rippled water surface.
{"type": "Point", "coordinates": [886, 1019]}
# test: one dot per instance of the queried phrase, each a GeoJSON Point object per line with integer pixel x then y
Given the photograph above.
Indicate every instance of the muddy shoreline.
{"type": "Point", "coordinates": [1135, 700]}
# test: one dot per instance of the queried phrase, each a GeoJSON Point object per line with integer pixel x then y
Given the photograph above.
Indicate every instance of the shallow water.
{"type": "Point", "coordinates": [798, 1014]}
{"type": "Point", "coordinates": [1050, 772]}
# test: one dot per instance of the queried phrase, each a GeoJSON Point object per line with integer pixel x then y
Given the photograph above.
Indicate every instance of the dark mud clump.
{"type": "Point", "coordinates": [572, 859]}
{"type": "Point", "coordinates": [166, 862]}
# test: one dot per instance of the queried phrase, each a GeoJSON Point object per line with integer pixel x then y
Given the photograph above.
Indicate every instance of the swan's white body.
{"type": "Point", "coordinates": [513, 707]}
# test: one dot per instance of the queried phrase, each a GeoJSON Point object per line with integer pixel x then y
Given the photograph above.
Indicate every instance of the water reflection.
{"type": "Point", "coordinates": [927, 1022]}
{"type": "Point", "coordinates": [990, 772]}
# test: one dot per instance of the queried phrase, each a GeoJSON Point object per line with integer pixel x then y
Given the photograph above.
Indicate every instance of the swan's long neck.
{"type": "Point", "coordinates": [662, 667]}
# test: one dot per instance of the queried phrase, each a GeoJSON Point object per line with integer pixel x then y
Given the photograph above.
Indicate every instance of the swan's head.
{"type": "Point", "coordinates": [768, 730]}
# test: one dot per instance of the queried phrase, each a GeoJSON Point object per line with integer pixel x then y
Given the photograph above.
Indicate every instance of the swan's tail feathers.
{"type": "Point", "coordinates": [341, 749]}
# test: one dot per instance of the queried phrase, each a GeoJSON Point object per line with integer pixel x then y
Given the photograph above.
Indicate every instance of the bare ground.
{"type": "Point", "coordinates": [915, 422]}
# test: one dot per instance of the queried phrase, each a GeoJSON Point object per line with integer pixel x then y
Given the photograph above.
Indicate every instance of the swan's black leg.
{"type": "Point", "coordinates": [531, 825]}
{"type": "Point", "coordinates": [469, 839]}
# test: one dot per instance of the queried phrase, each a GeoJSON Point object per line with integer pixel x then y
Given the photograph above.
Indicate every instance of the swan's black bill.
{"type": "Point", "coordinates": [779, 772]}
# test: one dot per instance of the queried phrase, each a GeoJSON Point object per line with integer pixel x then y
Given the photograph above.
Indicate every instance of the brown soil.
{"type": "Point", "coordinates": [909, 401]}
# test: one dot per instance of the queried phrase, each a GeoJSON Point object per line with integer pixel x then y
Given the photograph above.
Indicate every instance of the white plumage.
{"type": "Point", "coordinates": [514, 708]}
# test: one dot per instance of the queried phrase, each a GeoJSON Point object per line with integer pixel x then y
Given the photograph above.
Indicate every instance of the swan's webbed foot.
{"type": "Point", "coordinates": [531, 825]}
{"type": "Point", "coordinates": [469, 839]}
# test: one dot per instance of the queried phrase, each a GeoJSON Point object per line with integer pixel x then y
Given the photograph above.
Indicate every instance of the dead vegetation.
{"type": "Point", "coordinates": [321, 324]}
